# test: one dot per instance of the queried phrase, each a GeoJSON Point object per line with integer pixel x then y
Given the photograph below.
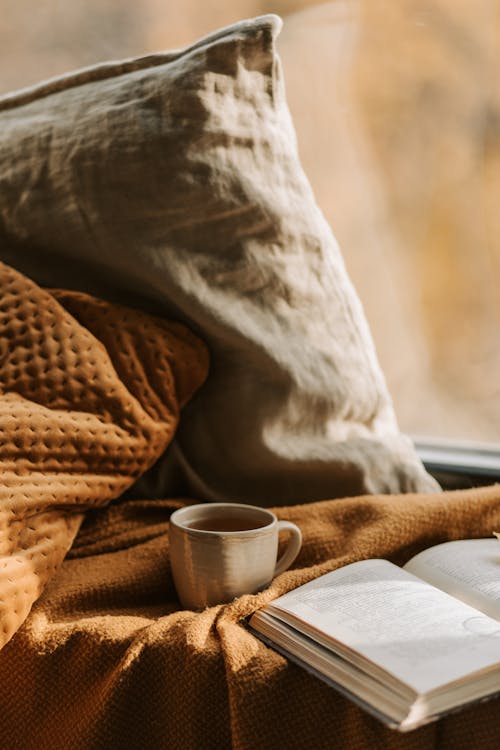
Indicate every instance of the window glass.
{"type": "Point", "coordinates": [397, 110]}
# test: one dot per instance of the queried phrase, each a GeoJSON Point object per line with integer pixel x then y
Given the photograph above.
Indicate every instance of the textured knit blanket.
{"type": "Point", "coordinates": [106, 658]}
{"type": "Point", "coordinates": [90, 395]}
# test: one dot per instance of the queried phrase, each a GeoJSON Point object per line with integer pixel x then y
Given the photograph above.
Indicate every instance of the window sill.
{"type": "Point", "coordinates": [458, 464]}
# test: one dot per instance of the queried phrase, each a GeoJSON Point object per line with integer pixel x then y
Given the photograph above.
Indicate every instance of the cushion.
{"type": "Point", "coordinates": [173, 183]}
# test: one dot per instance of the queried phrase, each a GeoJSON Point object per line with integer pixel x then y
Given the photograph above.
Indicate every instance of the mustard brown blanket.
{"type": "Point", "coordinates": [107, 659]}
{"type": "Point", "coordinates": [90, 395]}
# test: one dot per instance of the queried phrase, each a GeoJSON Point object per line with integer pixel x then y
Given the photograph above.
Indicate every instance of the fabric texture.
{"type": "Point", "coordinates": [107, 660]}
{"type": "Point", "coordinates": [173, 183]}
{"type": "Point", "coordinates": [88, 401]}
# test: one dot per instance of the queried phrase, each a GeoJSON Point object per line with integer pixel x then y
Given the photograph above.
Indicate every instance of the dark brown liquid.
{"type": "Point", "coordinates": [225, 523]}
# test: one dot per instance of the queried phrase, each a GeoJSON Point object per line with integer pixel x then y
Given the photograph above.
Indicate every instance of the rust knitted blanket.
{"type": "Point", "coordinates": [107, 659]}
{"type": "Point", "coordinates": [90, 395]}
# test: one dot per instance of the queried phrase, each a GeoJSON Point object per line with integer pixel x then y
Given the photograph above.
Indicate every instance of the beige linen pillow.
{"type": "Point", "coordinates": [173, 183]}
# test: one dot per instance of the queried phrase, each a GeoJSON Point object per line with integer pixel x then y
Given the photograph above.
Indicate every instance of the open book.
{"type": "Point", "coordinates": [407, 644]}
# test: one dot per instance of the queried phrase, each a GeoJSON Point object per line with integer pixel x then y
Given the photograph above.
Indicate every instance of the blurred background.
{"type": "Point", "coordinates": [397, 111]}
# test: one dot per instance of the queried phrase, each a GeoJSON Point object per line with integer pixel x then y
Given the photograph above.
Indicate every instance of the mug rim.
{"type": "Point", "coordinates": [176, 519]}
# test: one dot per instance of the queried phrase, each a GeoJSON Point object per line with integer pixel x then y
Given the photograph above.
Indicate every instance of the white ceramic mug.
{"type": "Point", "coordinates": [222, 550]}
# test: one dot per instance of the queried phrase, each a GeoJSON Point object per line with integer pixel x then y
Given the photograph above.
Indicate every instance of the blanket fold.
{"type": "Point", "coordinates": [90, 395]}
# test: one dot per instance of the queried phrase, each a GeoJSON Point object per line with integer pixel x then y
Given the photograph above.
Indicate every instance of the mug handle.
{"type": "Point", "coordinates": [293, 547]}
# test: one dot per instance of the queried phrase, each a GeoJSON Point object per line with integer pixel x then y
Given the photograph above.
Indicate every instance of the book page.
{"type": "Point", "coordinates": [413, 631]}
{"type": "Point", "coordinates": [468, 569]}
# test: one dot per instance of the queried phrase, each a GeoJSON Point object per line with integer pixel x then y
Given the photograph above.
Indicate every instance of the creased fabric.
{"type": "Point", "coordinates": [107, 659]}
{"type": "Point", "coordinates": [90, 397]}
